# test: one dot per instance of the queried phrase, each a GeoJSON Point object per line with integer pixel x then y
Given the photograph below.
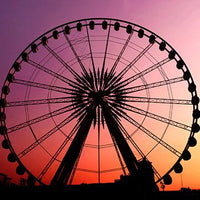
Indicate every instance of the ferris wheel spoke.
{"type": "Point", "coordinates": [71, 83]}
{"type": "Point", "coordinates": [39, 101]}
{"type": "Point", "coordinates": [51, 132]}
{"type": "Point", "coordinates": [65, 169]}
{"type": "Point", "coordinates": [150, 85]}
{"type": "Point", "coordinates": [133, 62]}
{"type": "Point", "coordinates": [128, 137]}
{"type": "Point", "coordinates": [59, 150]}
{"type": "Point", "coordinates": [40, 118]}
{"type": "Point", "coordinates": [119, 156]}
{"type": "Point", "coordinates": [118, 151]}
{"type": "Point", "coordinates": [104, 59]}
{"type": "Point", "coordinates": [99, 146]}
{"type": "Point", "coordinates": [156, 117]}
{"type": "Point", "coordinates": [43, 86]}
{"type": "Point", "coordinates": [48, 71]}
{"type": "Point", "coordinates": [150, 134]}
{"type": "Point", "coordinates": [142, 73]}
{"type": "Point", "coordinates": [126, 152]}
{"type": "Point", "coordinates": [42, 139]}
{"type": "Point", "coordinates": [156, 173]}
{"type": "Point", "coordinates": [74, 73]}
{"type": "Point", "coordinates": [120, 54]}
{"type": "Point", "coordinates": [157, 100]}
{"type": "Point", "coordinates": [92, 58]}
{"type": "Point", "coordinates": [76, 55]}
{"type": "Point", "coordinates": [52, 52]}
{"type": "Point", "coordinates": [138, 149]}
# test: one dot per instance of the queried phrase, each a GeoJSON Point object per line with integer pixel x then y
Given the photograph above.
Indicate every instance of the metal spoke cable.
{"type": "Point", "coordinates": [128, 137]}
{"type": "Point", "coordinates": [142, 73]}
{"type": "Point", "coordinates": [92, 58]}
{"type": "Point", "coordinates": [59, 111]}
{"type": "Point", "coordinates": [76, 55]}
{"type": "Point", "coordinates": [51, 132]}
{"type": "Point", "coordinates": [119, 155]}
{"type": "Point", "coordinates": [99, 144]}
{"type": "Point", "coordinates": [138, 149]}
{"type": "Point", "coordinates": [48, 71]}
{"type": "Point", "coordinates": [74, 73]}
{"type": "Point", "coordinates": [44, 86]}
{"type": "Point", "coordinates": [39, 101]}
{"type": "Point", "coordinates": [120, 54]}
{"type": "Point", "coordinates": [129, 66]}
{"type": "Point", "coordinates": [52, 52]}
{"type": "Point", "coordinates": [157, 100]}
{"type": "Point", "coordinates": [59, 150]}
{"type": "Point", "coordinates": [148, 132]}
{"type": "Point", "coordinates": [104, 59]}
{"type": "Point", "coordinates": [56, 75]}
{"type": "Point", "coordinates": [154, 116]}
{"type": "Point", "coordinates": [150, 85]}
{"type": "Point", "coordinates": [40, 118]}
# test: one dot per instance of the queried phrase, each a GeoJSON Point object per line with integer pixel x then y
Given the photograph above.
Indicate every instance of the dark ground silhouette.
{"type": "Point", "coordinates": [95, 191]}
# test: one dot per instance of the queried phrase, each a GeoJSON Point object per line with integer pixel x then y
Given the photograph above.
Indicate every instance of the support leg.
{"type": "Point", "coordinates": [65, 169]}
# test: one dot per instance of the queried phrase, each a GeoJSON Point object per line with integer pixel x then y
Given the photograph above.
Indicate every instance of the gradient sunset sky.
{"type": "Point", "coordinates": [176, 21]}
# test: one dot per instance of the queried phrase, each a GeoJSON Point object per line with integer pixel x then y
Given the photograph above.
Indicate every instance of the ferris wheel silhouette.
{"type": "Point", "coordinates": [97, 98]}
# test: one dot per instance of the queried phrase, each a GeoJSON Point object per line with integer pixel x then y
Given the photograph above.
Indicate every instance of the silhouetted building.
{"type": "Point", "coordinates": [5, 180]}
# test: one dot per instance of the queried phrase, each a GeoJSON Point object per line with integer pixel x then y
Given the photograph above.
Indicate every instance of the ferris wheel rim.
{"type": "Point", "coordinates": [189, 80]}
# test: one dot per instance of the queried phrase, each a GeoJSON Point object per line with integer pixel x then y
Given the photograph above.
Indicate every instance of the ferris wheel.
{"type": "Point", "coordinates": [89, 100]}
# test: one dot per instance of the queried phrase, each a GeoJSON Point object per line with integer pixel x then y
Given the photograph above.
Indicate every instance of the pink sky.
{"type": "Point", "coordinates": [177, 21]}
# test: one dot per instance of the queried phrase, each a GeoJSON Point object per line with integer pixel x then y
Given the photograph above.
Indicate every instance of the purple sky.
{"type": "Point", "coordinates": [22, 21]}
{"type": "Point", "coordinates": [177, 21]}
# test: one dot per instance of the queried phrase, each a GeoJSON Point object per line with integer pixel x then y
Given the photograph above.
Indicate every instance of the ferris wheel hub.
{"type": "Point", "coordinates": [98, 97]}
